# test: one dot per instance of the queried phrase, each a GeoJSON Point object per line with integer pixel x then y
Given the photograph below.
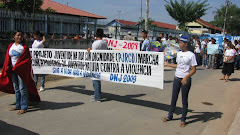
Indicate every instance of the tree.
{"type": "Point", "coordinates": [49, 10]}
{"type": "Point", "coordinates": [25, 6]}
{"type": "Point", "coordinates": [184, 12]}
{"type": "Point", "coordinates": [233, 18]}
{"type": "Point", "coordinates": [150, 21]}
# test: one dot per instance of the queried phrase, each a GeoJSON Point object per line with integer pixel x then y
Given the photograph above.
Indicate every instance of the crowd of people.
{"type": "Point", "coordinates": [17, 76]}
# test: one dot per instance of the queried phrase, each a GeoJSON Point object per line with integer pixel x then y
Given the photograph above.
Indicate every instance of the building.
{"type": "Point", "coordinates": [165, 25]}
{"type": "Point", "coordinates": [200, 27]}
{"type": "Point", "coordinates": [123, 27]}
{"type": "Point", "coordinates": [65, 21]}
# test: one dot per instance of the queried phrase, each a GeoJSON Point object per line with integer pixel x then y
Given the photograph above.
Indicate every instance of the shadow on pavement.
{"type": "Point", "coordinates": [200, 69]}
{"type": "Point", "coordinates": [170, 69]}
{"type": "Point", "coordinates": [124, 99]}
{"type": "Point", "coordinates": [235, 79]}
{"type": "Point", "coordinates": [7, 129]}
{"type": "Point", "coordinates": [46, 105]}
{"type": "Point", "coordinates": [168, 81]}
{"type": "Point", "coordinates": [203, 117]}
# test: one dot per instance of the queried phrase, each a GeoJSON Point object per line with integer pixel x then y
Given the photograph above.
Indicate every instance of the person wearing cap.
{"type": "Point", "coordinates": [146, 45]}
{"type": "Point", "coordinates": [129, 36]}
{"type": "Point", "coordinates": [185, 68]}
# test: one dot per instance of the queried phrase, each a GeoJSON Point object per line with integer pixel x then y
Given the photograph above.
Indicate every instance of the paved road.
{"type": "Point", "coordinates": [126, 110]}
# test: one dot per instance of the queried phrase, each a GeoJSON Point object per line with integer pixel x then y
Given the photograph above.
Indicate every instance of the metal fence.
{"type": "Point", "coordinates": [120, 31]}
{"type": "Point", "coordinates": [58, 24]}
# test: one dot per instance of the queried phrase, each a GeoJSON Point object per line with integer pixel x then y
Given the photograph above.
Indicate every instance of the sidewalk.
{"type": "Point", "coordinates": [235, 127]}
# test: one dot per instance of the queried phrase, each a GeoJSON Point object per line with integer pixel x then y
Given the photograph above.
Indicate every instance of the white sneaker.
{"type": "Point", "coordinates": [41, 89]}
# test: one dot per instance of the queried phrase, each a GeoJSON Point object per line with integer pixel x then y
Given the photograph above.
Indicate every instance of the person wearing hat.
{"type": "Point", "coordinates": [129, 36]}
{"type": "Point", "coordinates": [185, 68]}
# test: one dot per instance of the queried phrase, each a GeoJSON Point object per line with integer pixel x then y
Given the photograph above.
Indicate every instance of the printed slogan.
{"type": "Point", "coordinates": [131, 67]}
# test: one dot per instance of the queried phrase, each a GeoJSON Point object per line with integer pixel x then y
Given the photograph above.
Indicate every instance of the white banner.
{"type": "Point", "coordinates": [131, 67]}
{"type": "Point", "coordinates": [114, 44]}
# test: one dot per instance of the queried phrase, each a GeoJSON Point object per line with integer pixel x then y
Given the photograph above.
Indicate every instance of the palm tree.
{"type": "Point", "coordinates": [184, 12]}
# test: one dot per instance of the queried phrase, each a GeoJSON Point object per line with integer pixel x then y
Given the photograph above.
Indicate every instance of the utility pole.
{"type": "Point", "coordinates": [147, 12]}
{"type": "Point", "coordinates": [119, 13]}
{"type": "Point", "coordinates": [68, 2]}
{"type": "Point", "coordinates": [141, 12]}
{"type": "Point", "coordinates": [225, 19]}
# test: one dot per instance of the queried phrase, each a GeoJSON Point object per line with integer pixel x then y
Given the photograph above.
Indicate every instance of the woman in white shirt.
{"type": "Point", "coordinates": [228, 66]}
{"type": "Point", "coordinates": [185, 68]}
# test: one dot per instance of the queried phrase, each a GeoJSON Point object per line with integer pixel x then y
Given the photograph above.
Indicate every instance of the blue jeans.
{"type": "Point", "coordinates": [97, 89]}
{"type": "Point", "coordinates": [42, 81]}
{"type": "Point", "coordinates": [20, 92]}
{"type": "Point", "coordinates": [177, 85]}
{"type": "Point", "coordinates": [204, 61]}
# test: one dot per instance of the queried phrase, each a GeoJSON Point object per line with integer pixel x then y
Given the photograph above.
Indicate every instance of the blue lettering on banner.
{"type": "Point", "coordinates": [92, 75]}
{"type": "Point", "coordinates": [77, 72]}
{"type": "Point", "coordinates": [67, 71]}
{"type": "Point", "coordinates": [55, 70]}
{"type": "Point", "coordinates": [123, 78]}
{"type": "Point", "coordinates": [125, 57]}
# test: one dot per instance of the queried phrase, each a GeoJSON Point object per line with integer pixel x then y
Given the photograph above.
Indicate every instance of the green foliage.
{"type": "Point", "coordinates": [25, 6]}
{"type": "Point", "coordinates": [233, 18]}
{"type": "Point", "coordinates": [184, 12]}
{"type": "Point", "coordinates": [50, 10]}
{"type": "Point", "coordinates": [150, 21]}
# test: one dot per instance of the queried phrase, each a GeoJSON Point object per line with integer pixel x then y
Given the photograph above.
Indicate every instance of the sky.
{"type": "Point", "coordinates": [130, 10]}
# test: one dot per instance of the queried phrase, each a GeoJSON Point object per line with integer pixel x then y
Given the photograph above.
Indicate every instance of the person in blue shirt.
{"type": "Point", "coordinates": [146, 45]}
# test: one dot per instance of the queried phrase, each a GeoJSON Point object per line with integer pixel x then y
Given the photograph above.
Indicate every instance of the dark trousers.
{"type": "Point", "coordinates": [237, 60]}
{"type": "Point", "coordinates": [177, 85]}
{"type": "Point", "coordinates": [198, 58]}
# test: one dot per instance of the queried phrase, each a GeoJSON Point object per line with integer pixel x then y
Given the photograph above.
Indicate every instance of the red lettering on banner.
{"type": "Point", "coordinates": [110, 42]}
{"type": "Point", "coordinates": [136, 45]}
{"type": "Point", "coordinates": [125, 46]}
{"type": "Point", "coordinates": [106, 41]}
{"type": "Point", "coordinates": [115, 45]}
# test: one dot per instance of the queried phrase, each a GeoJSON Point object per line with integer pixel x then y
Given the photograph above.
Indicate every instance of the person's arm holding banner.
{"type": "Point", "coordinates": [89, 49]}
{"type": "Point", "coordinates": [170, 65]}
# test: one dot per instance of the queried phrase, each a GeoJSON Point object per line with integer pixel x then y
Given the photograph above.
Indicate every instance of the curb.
{"type": "Point", "coordinates": [235, 127]}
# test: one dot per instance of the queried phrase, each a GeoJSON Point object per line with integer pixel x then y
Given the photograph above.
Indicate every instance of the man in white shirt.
{"type": "Point", "coordinates": [146, 45]}
{"type": "Point", "coordinates": [197, 51]}
{"type": "Point", "coordinates": [99, 44]}
{"type": "Point", "coordinates": [38, 43]}
{"type": "Point", "coordinates": [204, 42]}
